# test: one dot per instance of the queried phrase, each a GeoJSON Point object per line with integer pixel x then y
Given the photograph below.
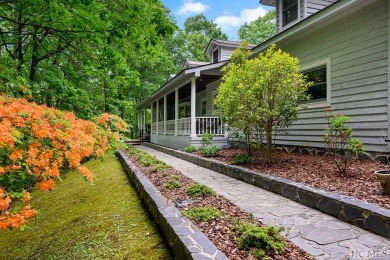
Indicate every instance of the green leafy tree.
{"type": "Point", "coordinates": [88, 57]}
{"type": "Point", "coordinates": [259, 30]}
{"type": "Point", "coordinates": [262, 93]}
{"type": "Point", "coordinates": [190, 43]}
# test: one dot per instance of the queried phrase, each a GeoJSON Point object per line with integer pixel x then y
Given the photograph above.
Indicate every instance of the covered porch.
{"type": "Point", "coordinates": [183, 109]}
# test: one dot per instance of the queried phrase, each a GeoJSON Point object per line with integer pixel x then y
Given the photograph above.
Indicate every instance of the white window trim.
{"type": "Point", "coordinates": [213, 93]}
{"type": "Point", "coordinates": [281, 26]}
{"type": "Point", "coordinates": [313, 65]}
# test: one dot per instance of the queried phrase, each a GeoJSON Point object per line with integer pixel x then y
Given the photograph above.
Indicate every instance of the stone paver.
{"type": "Point", "coordinates": [321, 235]}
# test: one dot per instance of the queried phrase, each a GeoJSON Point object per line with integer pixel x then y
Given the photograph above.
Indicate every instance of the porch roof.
{"type": "Point", "coordinates": [182, 79]}
{"type": "Point", "coordinates": [315, 22]}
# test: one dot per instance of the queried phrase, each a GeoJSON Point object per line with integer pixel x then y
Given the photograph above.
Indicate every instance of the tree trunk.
{"type": "Point", "coordinates": [34, 57]}
{"type": "Point", "coordinates": [19, 49]}
{"type": "Point", "coordinates": [106, 101]}
{"type": "Point", "coordinates": [268, 133]}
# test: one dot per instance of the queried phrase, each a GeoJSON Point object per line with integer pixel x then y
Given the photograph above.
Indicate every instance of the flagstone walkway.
{"type": "Point", "coordinates": [319, 234]}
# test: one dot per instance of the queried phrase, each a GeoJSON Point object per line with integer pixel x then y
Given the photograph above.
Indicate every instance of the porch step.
{"type": "Point", "coordinates": [134, 142]}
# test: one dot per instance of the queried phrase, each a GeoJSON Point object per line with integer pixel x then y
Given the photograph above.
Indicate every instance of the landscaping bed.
{"type": "Point", "coordinates": [319, 171]}
{"type": "Point", "coordinates": [221, 231]}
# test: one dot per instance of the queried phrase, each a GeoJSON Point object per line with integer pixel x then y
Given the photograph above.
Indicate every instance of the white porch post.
{"type": "Point", "coordinates": [176, 110]}
{"type": "Point", "coordinates": [144, 121]}
{"type": "Point", "coordinates": [151, 118]}
{"type": "Point", "coordinates": [139, 124]}
{"type": "Point", "coordinates": [193, 106]}
{"type": "Point", "coordinates": [165, 114]}
{"type": "Point", "coordinates": [157, 116]}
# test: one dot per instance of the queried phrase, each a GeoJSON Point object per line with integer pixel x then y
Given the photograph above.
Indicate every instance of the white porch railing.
{"type": "Point", "coordinates": [160, 128]}
{"type": "Point", "coordinates": [184, 126]}
{"type": "Point", "coordinates": [170, 127]}
{"type": "Point", "coordinates": [209, 125]}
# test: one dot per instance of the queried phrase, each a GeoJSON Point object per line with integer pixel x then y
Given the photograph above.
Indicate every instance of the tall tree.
{"type": "Point", "coordinates": [190, 43]}
{"type": "Point", "coordinates": [259, 30]}
{"type": "Point", "coordinates": [88, 56]}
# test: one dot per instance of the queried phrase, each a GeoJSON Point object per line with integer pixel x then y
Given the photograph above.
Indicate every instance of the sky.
{"type": "Point", "coordinates": [228, 14]}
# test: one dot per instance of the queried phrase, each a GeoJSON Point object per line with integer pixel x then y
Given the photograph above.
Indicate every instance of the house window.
{"type": "Point", "coordinates": [290, 11]}
{"type": "Point", "coordinates": [215, 55]}
{"type": "Point", "coordinates": [214, 95]}
{"type": "Point", "coordinates": [317, 91]}
{"type": "Point", "coordinates": [204, 107]}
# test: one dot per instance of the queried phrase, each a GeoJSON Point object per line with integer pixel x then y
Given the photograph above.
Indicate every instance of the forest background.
{"type": "Point", "coordinates": [92, 57]}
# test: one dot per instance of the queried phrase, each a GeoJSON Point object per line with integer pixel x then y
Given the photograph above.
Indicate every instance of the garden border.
{"type": "Point", "coordinates": [185, 239]}
{"type": "Point", "coordinates": [354, 211]}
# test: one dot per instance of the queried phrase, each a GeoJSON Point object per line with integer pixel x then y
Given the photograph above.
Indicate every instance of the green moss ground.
{"type": "Point", "coordinates": [78, 220]}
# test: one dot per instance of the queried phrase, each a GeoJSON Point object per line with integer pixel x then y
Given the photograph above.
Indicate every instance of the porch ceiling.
{"type": "Point", "coordinates": [204, 75]}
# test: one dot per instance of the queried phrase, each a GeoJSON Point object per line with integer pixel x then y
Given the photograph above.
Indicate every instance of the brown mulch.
{"type": "Point", "coordinates": [218, 231]}
{"type": "Point", "coordinates": [319, 171]}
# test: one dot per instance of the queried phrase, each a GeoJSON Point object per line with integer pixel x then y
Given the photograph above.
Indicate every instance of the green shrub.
{"type": "Point", "coordinates": [242, 159]}
{"type": "Point", "coordinates": [197, 190]}
{"type": "Point", "coordinates": [204, 214]}
{"type": "Point", "coordinates": [211, 151]}
{"type": "Point", "coordinates": [259, 240]}
{"type": "Point", "coordinates": [190, 149]}
{"type": "Point", "coordinates": [338, 141]}
{"type": "Point", "coordinates": [207, 139]}
{"type": "Point", "coordinates": [173, 184]}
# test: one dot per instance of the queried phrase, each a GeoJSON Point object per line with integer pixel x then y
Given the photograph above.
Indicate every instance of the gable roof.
{"type": "Point", "coordinates": [268, 2]}
{"type": "Point", "coordinates": [214, 43]}
{"type": "Point", "coordinates": [314, 22]}
{"type": "Point", "coordinates": [192, 64]}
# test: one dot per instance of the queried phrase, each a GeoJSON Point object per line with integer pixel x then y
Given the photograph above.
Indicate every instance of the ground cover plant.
{"type": "Point", "coordinates": [78, 220]}
{"type": "Point", "coordinates": [318, 171]}
{"type": "Point", "coordinates": [38, 144]}
{"type": "Point", "coordinates": [204, 214]}
{"type": "Point", "coordinates": [257, 239]}
{"type": "Point", "coordinates": [220, 230]}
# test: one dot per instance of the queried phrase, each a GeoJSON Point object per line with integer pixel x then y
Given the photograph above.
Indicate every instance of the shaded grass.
{"type": "Point", "coordinates": [78, 220]}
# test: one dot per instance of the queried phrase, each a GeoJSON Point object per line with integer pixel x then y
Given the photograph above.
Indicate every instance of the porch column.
{"type": "Point", "coordinates": [176, 110]}
{"type": "Point", "coordinates": [139, 124]}
{"type": "Point", "coordinates": [151, 118]}
{"type": "Point", "coordinates": [144, 121]}
{"type": "Point", "coordinates": [165, 114]}
{"type": "Point", "coordinates": [193, 106]}
{"type": "Point", "coordinates": [157, 116]}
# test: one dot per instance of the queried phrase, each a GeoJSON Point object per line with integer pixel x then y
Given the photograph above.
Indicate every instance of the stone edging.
{"type": "Point", "coordinates": [185, 239]}
{"type": "Point", "coordinates": [354, 211]}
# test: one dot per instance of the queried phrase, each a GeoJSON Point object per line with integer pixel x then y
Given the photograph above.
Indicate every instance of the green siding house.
{"type": "Point", "coordinates": [343, 47]}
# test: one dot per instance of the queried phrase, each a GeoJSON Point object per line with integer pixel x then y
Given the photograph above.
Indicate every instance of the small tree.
{"type": "Point", "coordinates": [338, 141]}
{"type": "Point", "coordinates": [261, 94]}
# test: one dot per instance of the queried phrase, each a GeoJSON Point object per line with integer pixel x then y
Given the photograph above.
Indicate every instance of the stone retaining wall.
{"type": "Point", "coordinates": [185, 239]}
{"type": "Point", "coordinates": [357, 212]}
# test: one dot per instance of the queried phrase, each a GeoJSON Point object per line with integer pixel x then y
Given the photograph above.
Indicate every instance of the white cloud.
{"type": "Point", "coordinates": [189, 7]}
{"type": "Point", "coordinates": [228, 22]}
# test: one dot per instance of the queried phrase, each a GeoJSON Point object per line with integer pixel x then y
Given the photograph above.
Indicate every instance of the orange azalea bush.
{"type": "Point", "coordinates": [37, 143]}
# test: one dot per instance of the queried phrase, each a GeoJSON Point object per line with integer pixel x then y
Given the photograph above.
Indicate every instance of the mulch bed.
{"type": "Point", "coordinates": [218, 231]}
{"type": "Point", "coordinates": [319, 171]}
